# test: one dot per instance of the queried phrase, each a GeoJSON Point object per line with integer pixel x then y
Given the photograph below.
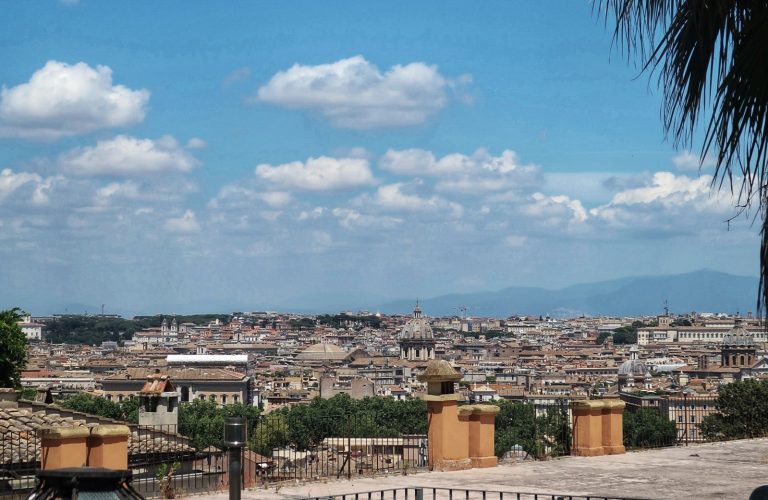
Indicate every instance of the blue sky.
{"type": "Point", "coordinates": [180, 156]}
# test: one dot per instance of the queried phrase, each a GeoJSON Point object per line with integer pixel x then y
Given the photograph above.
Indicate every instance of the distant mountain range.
{"type": "Point", "coordinates": [701, 291]}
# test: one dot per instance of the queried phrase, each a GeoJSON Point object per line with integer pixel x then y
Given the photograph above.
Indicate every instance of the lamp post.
{"type": "Point", "coordinates": [686, 392]}
{"type": "Point", "coordinates": [234, 440]}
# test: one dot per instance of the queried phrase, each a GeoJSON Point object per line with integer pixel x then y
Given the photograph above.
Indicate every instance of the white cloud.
{"type": "Point", "coordinates": [353, 93]}
{"type": "Point", "coordinates": [687, 161]}
{"type": "Point", "coordinates": [318, 174]}
{"type": "Point", "coordinates": [128, 156]}
{"type": "Point", "coordinates": [186, 224]}
{"type": "Point", "coordinates": [396, 198]}
{"type": "Point", "coordinates": [555, 209]}
{"type": "Point", "coordinates": [352, 219]}
{"type": "Point", "coordinates": [476, 173]}
{"type": "Point", "coordinates": [63, 100]}
{"type": "Point", "coordinates": [196, 143]}
{"type": "Point", "coordinates": [668, 189]}
{"type": "Point", "coordinates": [31, 187]}
{"type": "Point", "coordinates": [315, 213]}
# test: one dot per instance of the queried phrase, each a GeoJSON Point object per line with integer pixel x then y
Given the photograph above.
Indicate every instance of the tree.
{"type": "Point", "coordinates": [647, 428]}
{"type": "Point", "coordinates": [742, 411]}
{"type": "Point", "coordinates": [709, 57]}
{"type": "Point", "coordinates": [13, 348]}
{"type": "Point", "coordinates": [203, 421]}
{"type": "Point", "coordinates": [625, 335]}
{"type": "Point", "coordinates": [518, 426]}
{"type": "Point", "coordinates": [126, 410]}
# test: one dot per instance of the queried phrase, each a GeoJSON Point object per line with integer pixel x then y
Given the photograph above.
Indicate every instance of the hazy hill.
{"type": "Point", "coordinates": [702, 291]}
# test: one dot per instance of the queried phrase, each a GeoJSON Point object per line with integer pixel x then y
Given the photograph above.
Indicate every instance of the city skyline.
{"type": "Point", "coordinates": [261, 154]}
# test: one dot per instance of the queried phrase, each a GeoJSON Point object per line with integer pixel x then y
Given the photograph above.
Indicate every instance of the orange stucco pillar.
{"type": "Point", "coordinates": [448, 434]}
{"type": "Point", "coordinates": [613, 426]}
{"type": "Point", "coordinates": [587, 428]}
{"type": "Point", "coordinates": [63, 447]}
{"type": "Point", "coordinates": [482, 422]}
{"type": "Point", "coordinates": [108, 447]}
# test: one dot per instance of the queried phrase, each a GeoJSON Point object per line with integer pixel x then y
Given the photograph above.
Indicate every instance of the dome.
{"type": "Point", "coordinates": [633, 366]}
{"type": "Point", "coordinates": [417, 328]}
{"type": "Point", "coordinates": [738, 336]}
{"type": "Point", "coordinates": [322, 352]}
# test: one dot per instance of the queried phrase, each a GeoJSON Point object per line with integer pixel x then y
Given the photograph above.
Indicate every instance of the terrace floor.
{"type": "Point", "coordinates": [705, 471]}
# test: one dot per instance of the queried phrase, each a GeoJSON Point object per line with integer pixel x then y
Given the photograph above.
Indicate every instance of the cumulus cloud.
{"type": "Point", "coordinates": [687, 161]}
{"type": "Point", "coordinates": [353, 93]}
{"type": "Point", "coordinates": [128, 156]}
{"type": "Point", "coordinates": [63, 100]}
{"type": "Point", "coordinates": [555, 209]}
{"type": "Point", "coordinates": [186, 224]}
{"type": "Point", "coordinates": [668, 189]}
{"type": "Point", "coordinates": [476, 173]}
{"type": "Point", "coordinates": [29, 187]}
{"type": "Point", "coordinates": [398, 197]}
{"type": "Point", "coordinates": [318, 174]}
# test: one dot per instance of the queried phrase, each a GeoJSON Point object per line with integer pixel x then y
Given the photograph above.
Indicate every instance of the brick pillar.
{"type": "Point", "coordinates": [448, 447]}
{"type": "Point", "coordinates": [482, 422]}
{"type": "Point", "coordinates": [587, 428]}
{"type": "Point", "coordinates": [613, 426]}
{"type": "Point", "coordinates": [63, 447]}
{"type": "Point", "coordinates": [108, 447]}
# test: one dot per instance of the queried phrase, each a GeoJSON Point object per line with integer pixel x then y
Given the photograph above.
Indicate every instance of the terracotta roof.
{"type": "Point", "coordinates": [19, 442]}
{"type": "Point", "coordinates": [179, 373]}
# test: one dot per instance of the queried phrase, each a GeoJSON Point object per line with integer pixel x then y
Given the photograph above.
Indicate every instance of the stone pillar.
{"type": "Point", "coordinates": [448, 434]}
{"type": "Point", "coordinates": [63, 447]}
{"type": "Point", "coordinates": [613, 426]}
{"type": "Point", "coordinates": [108, 447]}
{"type": "Point", "coordinates": [482, 422]}
{"type": "Point", "coordinates": [587, 428]}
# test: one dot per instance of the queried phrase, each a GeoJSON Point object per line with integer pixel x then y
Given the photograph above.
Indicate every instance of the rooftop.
{"type": "Point", "coordinates": [706, 471]}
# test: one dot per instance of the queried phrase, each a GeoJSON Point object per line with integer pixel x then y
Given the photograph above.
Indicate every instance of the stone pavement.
{"type": "Point", "coordinates": [707, 471]}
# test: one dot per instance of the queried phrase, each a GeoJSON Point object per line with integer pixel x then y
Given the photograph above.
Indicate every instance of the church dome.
{"type": "Point", "coordinates": [322, 352]}
{"type": "Point", "coordinates": [633, 367]}
{"type": "Point", "coordinates": [417, 328]}
{"type": "Point", "coordinates": [738, 336]}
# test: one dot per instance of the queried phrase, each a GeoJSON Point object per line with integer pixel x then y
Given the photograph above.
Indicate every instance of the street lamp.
{"type": "Point", "coordinates": [234, 439]}
{"type": "Point", "coordinates": [686, 392]}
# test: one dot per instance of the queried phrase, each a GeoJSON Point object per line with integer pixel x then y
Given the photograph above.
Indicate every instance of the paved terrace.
{"type": "Point", "coordinates": [705, 471]}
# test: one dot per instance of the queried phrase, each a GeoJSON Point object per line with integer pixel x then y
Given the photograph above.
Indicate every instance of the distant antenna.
{"type": "Point", "coordinates": [666, 308]}
{"type": "Point", "coordinates": [102, 309]}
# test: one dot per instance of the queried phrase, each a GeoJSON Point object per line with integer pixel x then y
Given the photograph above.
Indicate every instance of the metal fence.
{"type": "Point", "coordinates": [668, 422]}
{"type": "Point", "coordinates": [164, 461]}
{"type": "Point", "coordinates": [533, 430]}
{"type": "Point", "coordinates": [19, 459]}
{"type": "Point", "coordinates": [432, 493]}
{"type": "Point", "coordinates": [328, 446]}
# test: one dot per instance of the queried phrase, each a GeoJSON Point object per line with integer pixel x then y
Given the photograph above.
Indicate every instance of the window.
{"type": "Point", "coordinates": [212, 397]}
{"type": "Point", "coordinates": [693, 418]}
{"type": "Point", "coordinates": [120, 397]}
{"type": "Point", "coordinates": [109, 397]}
{"type": "Point", "coordinates": [680, 406]}
{"type": "Point", "coordinates": [680, 419]}
{"type": "Point", "coordinates": [705, 407]}
{"type": "Point", "coordinates": [234, 399]}
{"type": "Point", "coordinates": [224, 399]}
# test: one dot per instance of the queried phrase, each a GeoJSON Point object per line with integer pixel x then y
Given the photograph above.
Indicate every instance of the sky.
{"type": "Point", "coordinates": [190, 156]}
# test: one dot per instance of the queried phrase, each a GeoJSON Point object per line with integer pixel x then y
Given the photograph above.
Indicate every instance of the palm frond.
{"type": "Point", "coordinates": [710, 58]}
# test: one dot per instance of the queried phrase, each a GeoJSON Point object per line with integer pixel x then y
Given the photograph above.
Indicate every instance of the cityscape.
{"type": "Point", "coordinates": [384, 250]}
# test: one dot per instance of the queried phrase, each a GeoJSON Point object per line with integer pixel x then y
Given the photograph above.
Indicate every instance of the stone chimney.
{"type": "Point", "coordinates": [9, 398]}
